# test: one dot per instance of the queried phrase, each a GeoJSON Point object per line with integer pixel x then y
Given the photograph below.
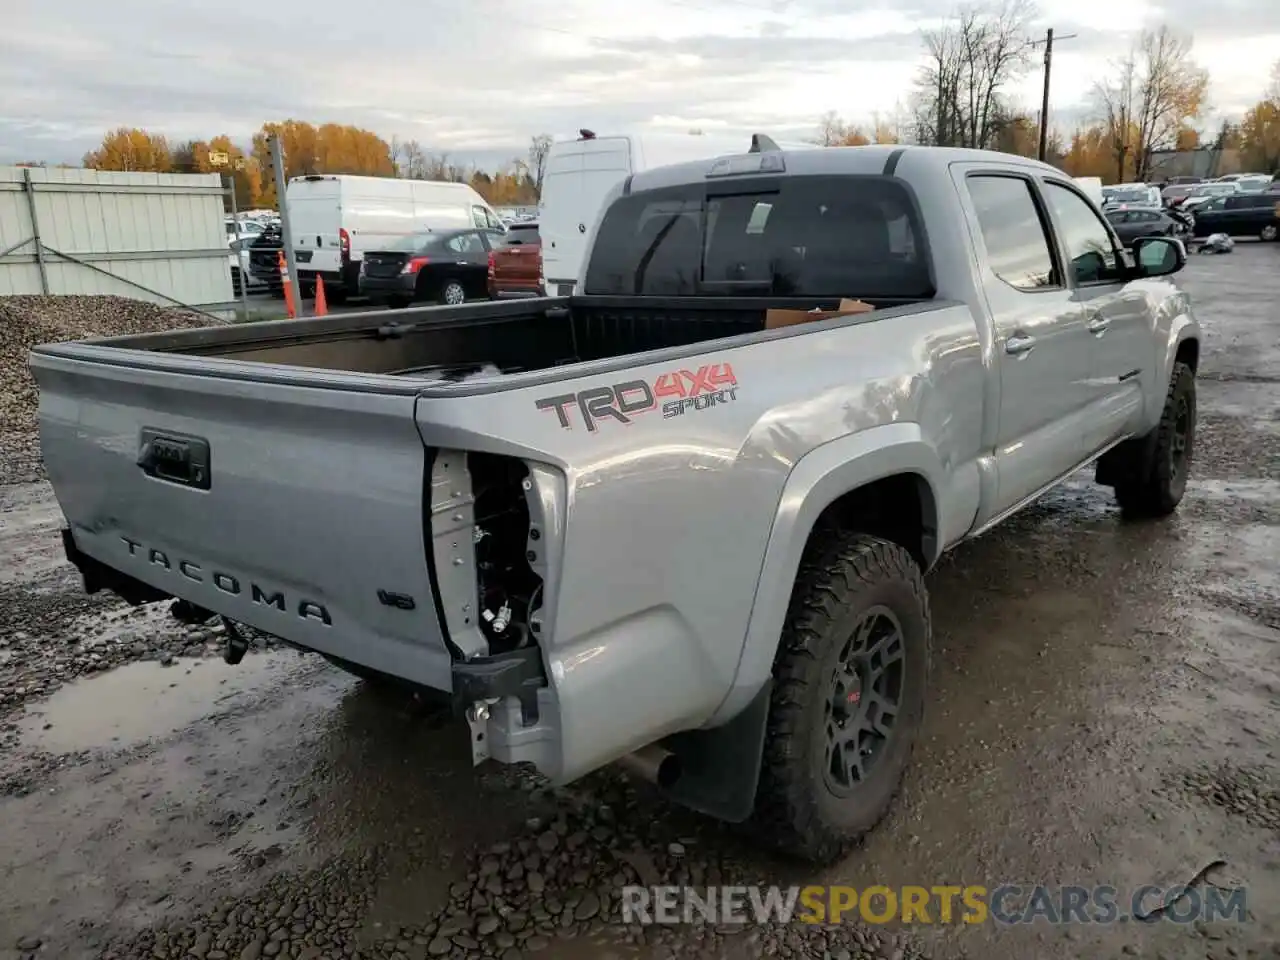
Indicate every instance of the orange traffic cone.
{"type": "Point", "coordinates": [321, 308]}
{"type": "Point", "coordinates": [289, 307]}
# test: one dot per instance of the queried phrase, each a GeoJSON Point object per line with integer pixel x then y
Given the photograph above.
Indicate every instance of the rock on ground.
{"type": "Point", "coordinates": [28, 321]}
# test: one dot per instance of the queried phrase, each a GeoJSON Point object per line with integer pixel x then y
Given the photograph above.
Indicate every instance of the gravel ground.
{"type": "Point", "coordinates": [28, 321]}
{"type": "Point", "coordinates": [1104, 710]}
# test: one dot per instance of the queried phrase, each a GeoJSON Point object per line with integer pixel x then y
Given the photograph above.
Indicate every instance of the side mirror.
{"type": "Point", "coordinates": [1159, 256]}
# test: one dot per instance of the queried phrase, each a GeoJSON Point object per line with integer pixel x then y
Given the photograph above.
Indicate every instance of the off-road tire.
{"type": "Point", "coordinates": [1157, 487]}
{"type": "Point", "coordinates": [842, 576]}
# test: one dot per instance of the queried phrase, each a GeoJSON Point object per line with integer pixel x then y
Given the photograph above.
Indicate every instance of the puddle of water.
{"type": "Point", "coordinates": [145, 701]}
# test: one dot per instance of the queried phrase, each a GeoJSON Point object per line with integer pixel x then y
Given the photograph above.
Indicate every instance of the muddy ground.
{"type": "Point", "coordinates": [1104, 712]}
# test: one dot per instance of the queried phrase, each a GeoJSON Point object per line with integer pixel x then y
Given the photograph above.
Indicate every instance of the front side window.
{"type": "Point", "coordinates": [466, 243]}
{"type": "Point", "coordinates": [1090, 251]}
{"type": "Point", "coordinates": [1017, 247]}
{"type": "Point", "coordinates": [821, 237]}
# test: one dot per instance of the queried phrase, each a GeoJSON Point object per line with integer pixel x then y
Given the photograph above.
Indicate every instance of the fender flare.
{"type": "Point", "coordinates": [816, 481]}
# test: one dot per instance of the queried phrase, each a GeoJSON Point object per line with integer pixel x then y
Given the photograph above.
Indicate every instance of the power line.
{"type": "Point", "coordinates": [1044, 103]}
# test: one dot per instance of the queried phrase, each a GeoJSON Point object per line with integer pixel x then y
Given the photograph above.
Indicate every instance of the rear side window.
{"type": "Point", "coordinates": [518, 234]}
{"type": "Point", "coordinates": [1017, 246]}
{"type": "Point", "coordinates": [1247, 201]}
{"type": "Point", "coordinates": [821, 237]}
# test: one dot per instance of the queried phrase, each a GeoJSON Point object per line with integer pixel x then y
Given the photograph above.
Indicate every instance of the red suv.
{"type": "Point", "coordinates": [515, 266]}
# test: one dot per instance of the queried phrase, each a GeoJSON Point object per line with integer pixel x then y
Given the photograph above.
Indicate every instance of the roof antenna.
{"type": "Point", "coordinates": [760, 144]}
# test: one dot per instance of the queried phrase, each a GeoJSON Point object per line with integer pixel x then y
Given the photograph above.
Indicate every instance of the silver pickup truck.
{"type": "Point", "coordinates": [658, 522]}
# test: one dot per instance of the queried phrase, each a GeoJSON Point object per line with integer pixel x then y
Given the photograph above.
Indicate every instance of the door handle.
{"type": "Point", "coordinates": [1098, 324]}
{"type": "Point", "coordinates": [1019, 344]}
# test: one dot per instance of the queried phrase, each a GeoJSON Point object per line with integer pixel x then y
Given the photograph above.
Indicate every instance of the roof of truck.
{"type": "Point", "coordinates": [868, 160]}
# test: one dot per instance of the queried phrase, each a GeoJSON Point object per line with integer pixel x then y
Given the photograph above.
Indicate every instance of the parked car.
{"type": "Point", "coordinates": [515, 265]}
{"type": "Point", "coordinates": [1240, 215]}
{"type": "Point", "coordinates": [1130, 193]}
{"type": "Point", "coordinates": [241, 264]}
{"type": "Point", "coordinates": [334, 219]}
{"type": "Point", "coordinates": [1175, 194]}
{"type": "Point", "coordinates": [242, 228]}
{"type": "Point", "coordinates": [1133, 224]}
{"type": "Point", "coordinates": [580, 173]}
{"type": "Point", "coordinates": [1254, 183]}
{"type": "Point", "coordinates": [1204, 192]}
{"type": "Point", "coordinates": [449, 267]}
{"type": "Point", "coordinates": [264, 258]}
{"type": "Point", "coordinates": [678, 521]}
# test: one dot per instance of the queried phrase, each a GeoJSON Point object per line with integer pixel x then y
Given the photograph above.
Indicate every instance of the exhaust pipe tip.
{"type": "Point", "coordinates": [653, 764]}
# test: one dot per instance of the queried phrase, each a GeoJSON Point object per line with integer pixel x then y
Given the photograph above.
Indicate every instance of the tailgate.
{"type": "Point", "coordinates": [517, 263]}
{"type": "Point", "coordinates": [295, 509]}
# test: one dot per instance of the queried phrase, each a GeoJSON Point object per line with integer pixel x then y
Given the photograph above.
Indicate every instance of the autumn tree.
{"type": "Point", "coordinates": [970, 61]}
{"type": "Point", "coordinates": [329, 148]}
{"type": "Point", "coordinates": [131, 149]}
{"type": "Point", "coordinates": [834, 132]}
{"type": "Point", "coordinates": [1259, 139]}
{"type": "Point", "coordinates": [1154, 92]}
{"type": "Point", "coordinates": [1089, 153]}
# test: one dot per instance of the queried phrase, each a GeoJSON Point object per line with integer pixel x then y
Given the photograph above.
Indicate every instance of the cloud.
{"type": "Point", "coordinates": [479, 78]}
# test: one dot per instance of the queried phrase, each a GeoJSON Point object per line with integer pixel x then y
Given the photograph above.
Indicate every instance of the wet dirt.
{"type": "Point", "coordinates": [1104, 711]}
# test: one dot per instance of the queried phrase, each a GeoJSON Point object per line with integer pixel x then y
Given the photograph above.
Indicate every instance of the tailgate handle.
{"type": "Point", "coordinates": [175, 459]}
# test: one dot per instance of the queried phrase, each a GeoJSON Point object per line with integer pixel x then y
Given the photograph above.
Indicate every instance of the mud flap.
{"type": "Point", "coordinates": [721, 767]}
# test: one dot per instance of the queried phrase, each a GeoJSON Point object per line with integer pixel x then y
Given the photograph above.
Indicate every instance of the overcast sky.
{"type": "Point", "coordinates": [479, 77]}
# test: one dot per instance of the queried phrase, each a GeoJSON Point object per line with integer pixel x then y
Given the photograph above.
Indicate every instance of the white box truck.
{"type": "Point", "coordinates": [335, 218]}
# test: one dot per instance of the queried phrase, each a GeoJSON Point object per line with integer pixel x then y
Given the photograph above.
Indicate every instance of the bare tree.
{"type": "Point", "coordinates": [1119, 99]}
{"type": "Point", "coordinates": [539, 148]}
{"type": "Point", "coordinates": [831, 129]}
{"type": "Point", "coordinates": [958, 96]}
{"type": "Point", "coordinates": [1152, 94]}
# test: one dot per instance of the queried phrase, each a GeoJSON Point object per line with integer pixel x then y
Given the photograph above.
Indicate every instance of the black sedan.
{"type": "Point", "coordinates": [449, 267]}
{"type": "Point", "coordinates": [1135, 223]}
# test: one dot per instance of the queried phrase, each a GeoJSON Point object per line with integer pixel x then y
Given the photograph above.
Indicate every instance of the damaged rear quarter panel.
{"type": "Point", "coordinates": [673, 472]}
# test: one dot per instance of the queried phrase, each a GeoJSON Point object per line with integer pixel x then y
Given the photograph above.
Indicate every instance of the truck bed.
{"type": "Point", "coordinates": [452, 343]}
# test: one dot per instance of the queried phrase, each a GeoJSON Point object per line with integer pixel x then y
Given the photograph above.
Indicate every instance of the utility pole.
{"type": "Point", "coordinates": [286, 234]}
{"type": "Point", "coordinates": [1044, 103]}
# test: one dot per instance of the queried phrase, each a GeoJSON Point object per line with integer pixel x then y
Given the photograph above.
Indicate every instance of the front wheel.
{"type": "Point", "coordinates": [452, 293]}
{"type": "Point", "coordinates": [1269, 232]}
{"type": "Point", "coordinates": [848, 695]}
{"type": "Point", "coordinates": [1157, 487]}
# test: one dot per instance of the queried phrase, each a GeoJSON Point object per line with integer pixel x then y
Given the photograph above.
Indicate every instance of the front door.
{"type": "Point", "coordinates": [1041, 345]}
{"type": "Point", "coordinates": [1116, 315]}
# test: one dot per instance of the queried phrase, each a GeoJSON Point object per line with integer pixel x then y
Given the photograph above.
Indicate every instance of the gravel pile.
{"type": "Point", "coordinates": [1248, 793]}
{"type": "Point", "coordinates": [26, 322]}
{"type": "Point", "coordinates": [552, 890]}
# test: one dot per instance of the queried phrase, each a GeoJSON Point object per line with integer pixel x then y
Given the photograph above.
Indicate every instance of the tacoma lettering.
{"type": "Point", "coordinates": [230, 584]}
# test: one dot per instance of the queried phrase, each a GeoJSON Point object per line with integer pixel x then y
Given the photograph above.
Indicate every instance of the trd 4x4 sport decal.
{"type": "Point", "coordinates": [679, 392]}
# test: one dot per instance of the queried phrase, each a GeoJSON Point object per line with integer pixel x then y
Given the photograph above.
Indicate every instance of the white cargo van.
{"type": "Point", "coordinates": [579, 173]}
{"type": "Point", "coordinates": [336, 218]}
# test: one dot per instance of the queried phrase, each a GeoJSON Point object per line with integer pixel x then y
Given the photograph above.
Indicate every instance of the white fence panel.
{"type": "Point", "coordinates": [151, 236]}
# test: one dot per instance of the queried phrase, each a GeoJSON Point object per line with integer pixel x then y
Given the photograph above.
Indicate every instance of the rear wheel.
{"type": "Point", "coordinates": [452, 293]}
{"type": "Point", "coordinates": [848, 695]}
{"type": "Point", "coordinates": [1155, 489]}
{"type": "Point", "coordinates": [1269, 232]}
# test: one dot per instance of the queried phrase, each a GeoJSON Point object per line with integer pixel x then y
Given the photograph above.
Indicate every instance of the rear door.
{"type": "Point", "coordinates": [315, 218]}
{"type": "Point", "coordinates": [1117, 315]}
{"type": "Point", "coordinates": [293, 508]}
{"type": "Point", "coordinates": [471, 263]}
{"type": "Point", "coordinates": [1042, 346]}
